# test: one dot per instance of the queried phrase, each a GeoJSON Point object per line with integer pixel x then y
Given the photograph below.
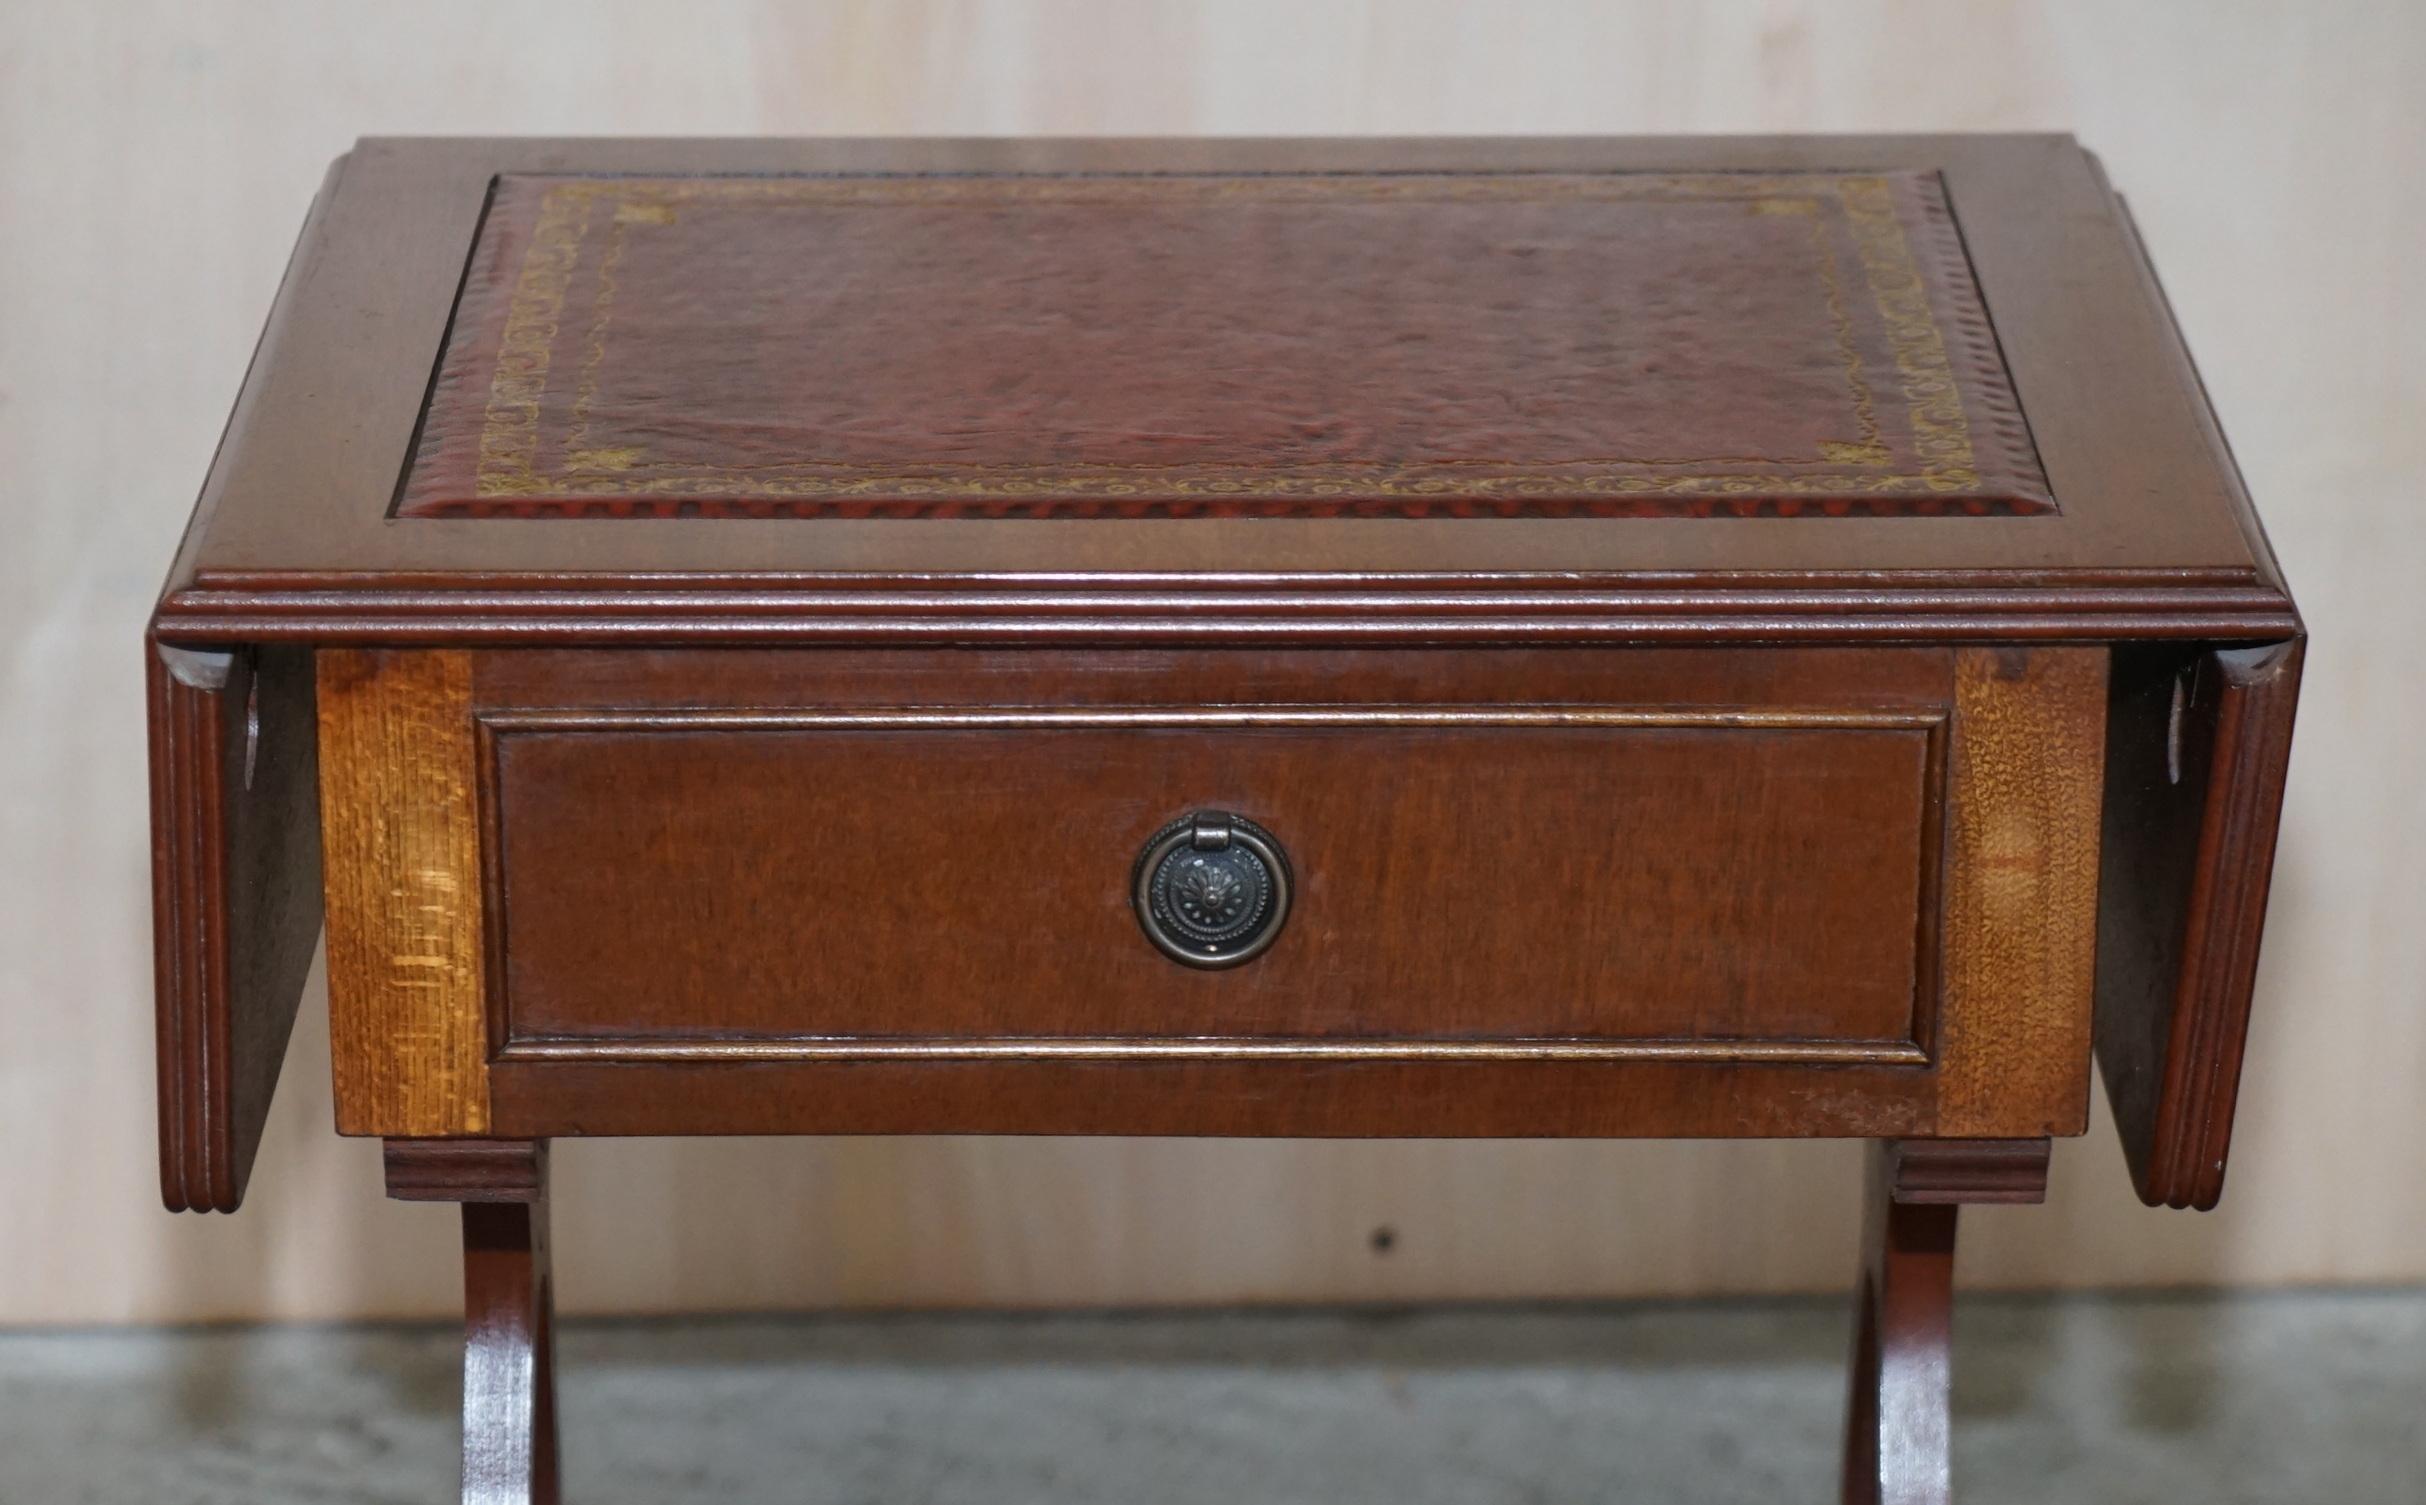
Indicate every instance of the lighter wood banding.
{"type": "Point", "coordinates": [408, 1030]}
{"type": "Point", "coordinates": [2021, 902]}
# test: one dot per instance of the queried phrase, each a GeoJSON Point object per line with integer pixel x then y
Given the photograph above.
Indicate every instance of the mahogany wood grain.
{"type": "Point", "coordinates": [1240, 1096]}
{"type": "Point", "coordinates": [509, 1351]}
{"type": "Point", "coordinates": [2151, 537]}
{"type": "Point", "coordinates": [466, 1170]}
{"type": "Point", "coordinates": [1932, 1171]}
{"type": "Point", "coordinates": [509, 1348]}
{"type": "Point", "coordinates": [2198, 747]}
{"type": "Point", "coordinates": [793, 949]}
{"type": "Point", "coordinates": [1899, 1419]}
{"type": "Point", "coordinates": [1251, 611]}
{"type": "Point", "coordinates": [1911, 678]}
{"type": "Point", "coordinates": [2192, 806]}
{"type": "Point", "coordinates": [2194, 386]}
{"type": "Point", "coordinates": [1575, 874]}
{"type": "Point", "coordinates": [1898, 1413]}
{"type": "Point", "coordinates": [407, 1018]}
{"type": "Point", "coordinates": [235, 902]}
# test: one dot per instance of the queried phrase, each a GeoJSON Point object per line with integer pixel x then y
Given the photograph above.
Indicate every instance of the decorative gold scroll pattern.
{"type": "Point", "coordinates": [1940, 433]}
{"type": "Point", "coordinates": [510, 464]}
{"type": "Point", "coordinates": [509, 439]}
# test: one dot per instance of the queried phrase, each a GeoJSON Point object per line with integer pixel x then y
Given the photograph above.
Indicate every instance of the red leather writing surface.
{"type": "Point", "coordinates": [1493, 344]}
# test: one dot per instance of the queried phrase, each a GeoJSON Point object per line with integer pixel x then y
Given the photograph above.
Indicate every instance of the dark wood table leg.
{"type": "Point", "coordinates": [509, 1338]}
{"type": "Point", "coordinates": [1898, 1416]}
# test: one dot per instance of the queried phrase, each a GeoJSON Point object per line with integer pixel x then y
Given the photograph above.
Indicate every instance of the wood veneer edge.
{"type": "Point", "coordinates": [2021, 920]}
{"type": "Point", "coordinates": [407, 1001]}
{"type": "Point", "coordinates": [2218, 974]}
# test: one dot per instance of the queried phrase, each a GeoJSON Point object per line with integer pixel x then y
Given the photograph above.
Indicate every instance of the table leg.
{"type": "Point", "coordinates": [509, 1337]}
{"type": "Point", "coordinates": [1898, 1417]}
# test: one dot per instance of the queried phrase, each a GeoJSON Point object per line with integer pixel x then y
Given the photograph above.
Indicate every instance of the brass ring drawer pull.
{"type": "Point", "coordinates": [1211, 889]}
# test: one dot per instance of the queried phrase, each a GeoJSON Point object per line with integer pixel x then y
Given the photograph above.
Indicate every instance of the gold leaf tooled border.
{"type": "Point", "coordinates": [1854, 476]}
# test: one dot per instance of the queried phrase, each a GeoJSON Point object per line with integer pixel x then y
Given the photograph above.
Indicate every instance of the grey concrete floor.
{"type": "Point", "coordinates": [2279, 1398]}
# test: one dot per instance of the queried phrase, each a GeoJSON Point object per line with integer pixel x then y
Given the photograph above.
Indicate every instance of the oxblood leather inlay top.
{"type": "Point", "coordinates": [1070, 345]}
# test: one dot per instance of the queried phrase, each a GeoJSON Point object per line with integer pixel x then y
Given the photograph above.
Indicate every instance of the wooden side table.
{"type": "Point", "coordinates": [1589, 638]}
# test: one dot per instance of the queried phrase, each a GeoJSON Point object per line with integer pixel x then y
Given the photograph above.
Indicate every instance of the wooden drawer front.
{"type": "Point", "coordinates": [1683, 892]}
{"type": "Point", "coordinates": [873, 878]}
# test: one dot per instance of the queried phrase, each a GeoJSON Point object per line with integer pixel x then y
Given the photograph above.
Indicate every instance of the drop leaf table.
{"type": "Point", "coordinates": [1697, 637]}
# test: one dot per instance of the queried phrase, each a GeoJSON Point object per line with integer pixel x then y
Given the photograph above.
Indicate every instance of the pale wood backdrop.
{"type": "Point", "coordinates": [154, 162]}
